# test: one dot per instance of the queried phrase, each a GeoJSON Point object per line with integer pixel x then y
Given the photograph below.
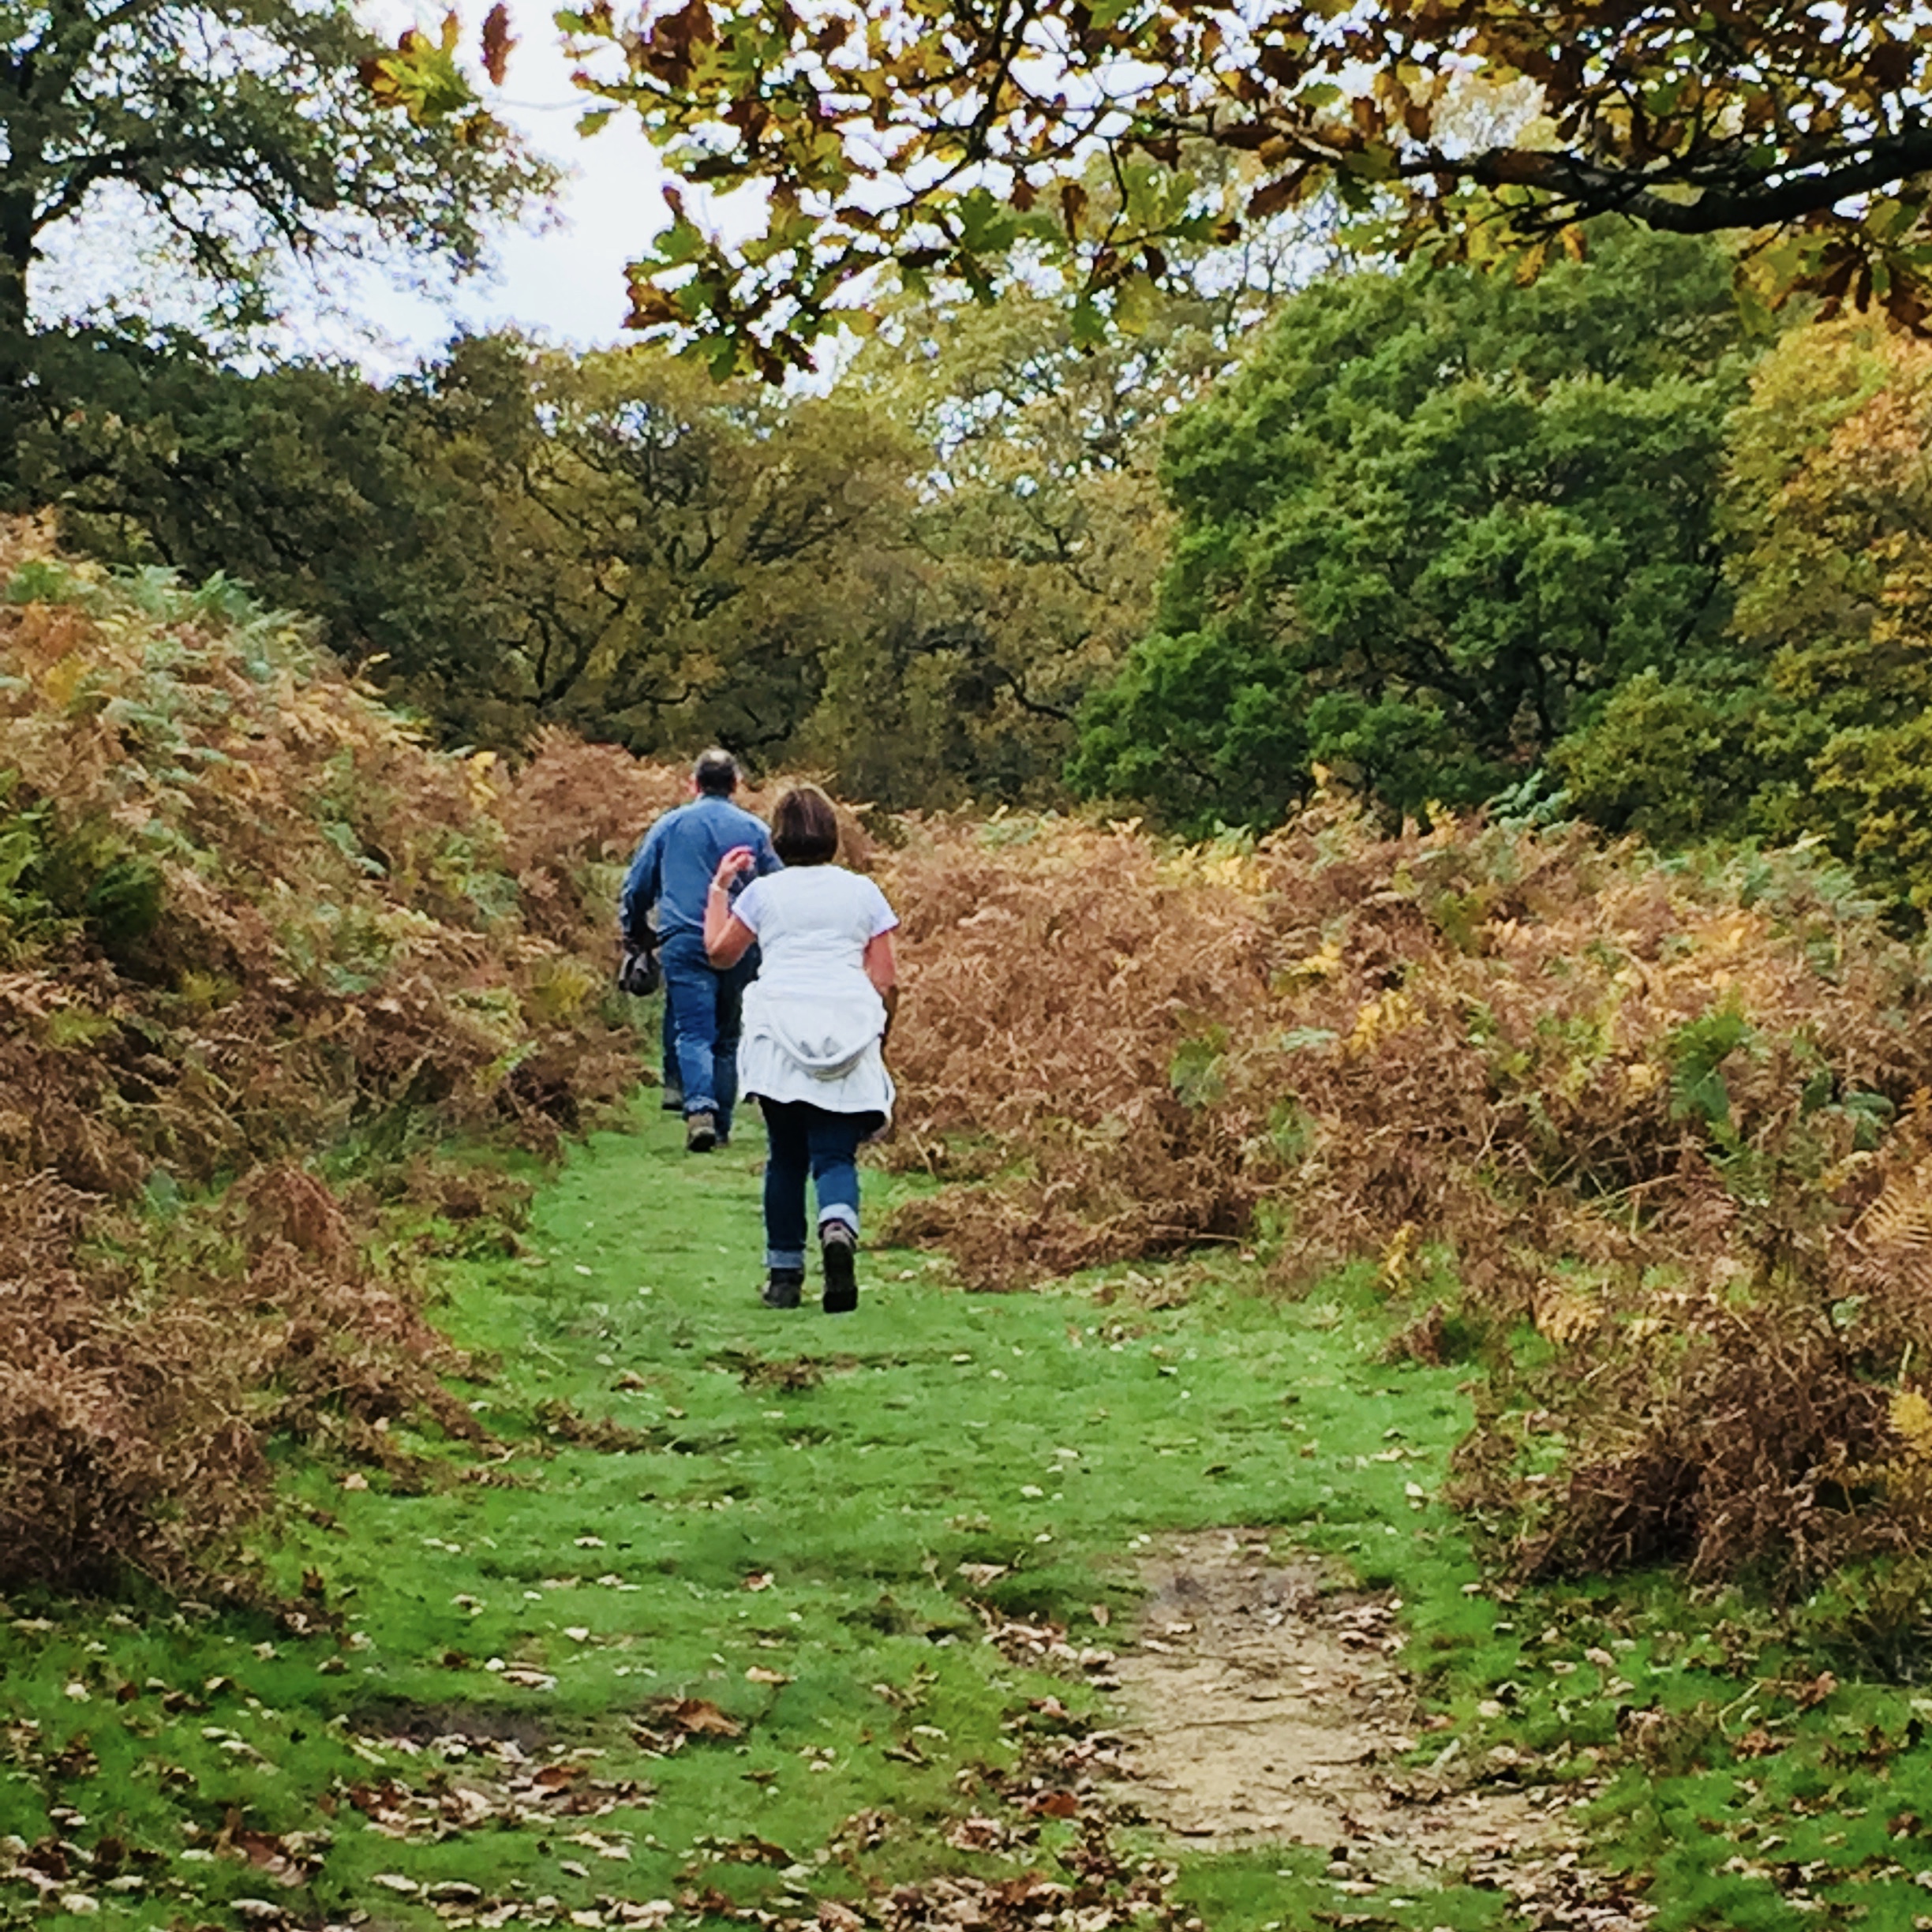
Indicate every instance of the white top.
{"type": "Point", "coordinates": [812, 1019]}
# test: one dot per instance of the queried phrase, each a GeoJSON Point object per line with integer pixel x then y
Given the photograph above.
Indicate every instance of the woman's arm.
{"type": "Point", "coordinates": [882, 966]}
{"type": "Point", "coordinates": [727, 944]}
{"type": "Point", "coordinates": [726, 936]}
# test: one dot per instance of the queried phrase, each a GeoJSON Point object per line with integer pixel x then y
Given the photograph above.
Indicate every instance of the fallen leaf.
{"type": "Point", "coordinates": [977, 1834]}
{"type": "Point", "coordinates": [526, 1680]}
{"type": "Point", "coordinates": [696, 1717]}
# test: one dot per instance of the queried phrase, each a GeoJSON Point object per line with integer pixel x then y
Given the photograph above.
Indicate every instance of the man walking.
{"type": "Point", "coordinates": [672, 871]}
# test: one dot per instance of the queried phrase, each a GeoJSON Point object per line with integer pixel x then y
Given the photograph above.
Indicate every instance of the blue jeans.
{"type": "Point", "coordinates": [801, 1140]}
{"type": "Point", "coordinates": [706, 1008]}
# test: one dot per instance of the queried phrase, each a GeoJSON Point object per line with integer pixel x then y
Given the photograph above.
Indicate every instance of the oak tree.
{"type": "Point", "coordinates": [917, 137]}
{"type": "Point", "coordinates": [250, 132]}
{"type": "Point", "coordinates": [1815, 720]}
{"type": "Point", "coordinates": [1429, 526]}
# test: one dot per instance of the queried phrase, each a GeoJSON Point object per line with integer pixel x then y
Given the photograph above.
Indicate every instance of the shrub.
{"type": "Point", "coordinates": [1662, 1115]}
{"type": "Point", "coordinates": [246, 918]}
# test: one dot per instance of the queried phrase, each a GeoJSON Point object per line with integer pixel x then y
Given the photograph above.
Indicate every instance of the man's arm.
{"type": "Point", "coordinates": [641, 887]}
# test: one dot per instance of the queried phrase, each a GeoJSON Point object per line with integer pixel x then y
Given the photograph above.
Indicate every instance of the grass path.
{"type": "Point", "coordinates": [704, 1629]}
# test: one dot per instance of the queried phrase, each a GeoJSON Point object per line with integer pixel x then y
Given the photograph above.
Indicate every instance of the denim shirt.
{"type": "Point", "coordinates": [674, 866]}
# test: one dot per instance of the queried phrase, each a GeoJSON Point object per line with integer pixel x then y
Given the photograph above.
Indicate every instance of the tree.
{"type": "Point", "coordinates": [1038, 530]}
{"type": "Point", "coordinates": [653, 560]}
{"type": "Point", "coordinates": [949, 138]}
{"type": "Point", "coordinates": [1031, 544]}
{"type": "Point", "coordinates": [301, 479]}
{"type": "Point", "coordinates": [1433, 521]}
{"type": "Point", "coordinates": [507, 537]}
{"type": "Point", "coordinates": [1817, 722]}
{"type": "Point", "coordinates": [252, 131]}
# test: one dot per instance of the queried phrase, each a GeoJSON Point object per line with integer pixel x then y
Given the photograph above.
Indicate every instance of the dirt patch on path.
{"type": "Point", "coordinates": [1265, 1706]}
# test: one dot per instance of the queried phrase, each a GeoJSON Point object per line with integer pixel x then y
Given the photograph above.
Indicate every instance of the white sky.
{"type": "Point", "coordinates": [566, 282]}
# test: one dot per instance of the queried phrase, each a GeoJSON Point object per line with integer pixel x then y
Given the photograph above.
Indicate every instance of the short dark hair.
{"type": "Point", "coordinates": [716, 772]}
{"type": "Point", "coordinates": [805, 827]}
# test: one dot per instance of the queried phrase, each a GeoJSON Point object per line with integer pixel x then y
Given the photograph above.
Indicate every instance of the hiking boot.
{"type": "Point", "coordinates": [700, 1132]}
{"type": "Point", "coordinates": [838, 1249]}
{"type": "Point", "coordinates": [783, 1286]}
{"type": "Point", "coordinates": [673, 1100]}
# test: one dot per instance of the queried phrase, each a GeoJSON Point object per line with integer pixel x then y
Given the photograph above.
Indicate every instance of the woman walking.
{"type": "Point", "coordinates": [814, 1021]}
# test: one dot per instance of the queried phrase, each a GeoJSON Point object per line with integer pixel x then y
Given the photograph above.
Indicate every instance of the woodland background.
{"type": "Point", "coordinates": [1591, 541]}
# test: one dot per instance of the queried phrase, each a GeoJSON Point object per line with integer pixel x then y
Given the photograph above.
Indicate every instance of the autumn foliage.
{"type": "Point", "coordinates": [1655, 1127]}
{"type": "Point", "coordinates": [246, 920]}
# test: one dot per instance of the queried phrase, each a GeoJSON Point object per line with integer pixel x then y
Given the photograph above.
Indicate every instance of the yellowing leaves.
{"type": "Point", "coordinates": [1564, 1312]}
{"type": "Point", "coordinates": [1379, 1019]}
{"type": "Point", "coordinates": [1320, 964]}
{"type": "Point", "coordinates": [1212, 865]}
{"type": "Point", "coordinates": [60, 681]}
{"type": "Point", "coordinates": [1910, 1414]}
{"type": "Point", "coordinates": [480, 769]}
{"type": "Point", "coordinates": [1399, 1258]}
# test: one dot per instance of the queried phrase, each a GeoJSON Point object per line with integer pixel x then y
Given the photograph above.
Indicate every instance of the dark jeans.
{"type": "Point", "coordinates": [673, 1079]}
{"type": "Point", "coordinates": [802, 1140]}
{"type": "Point", "coordinates": [705, 1009]}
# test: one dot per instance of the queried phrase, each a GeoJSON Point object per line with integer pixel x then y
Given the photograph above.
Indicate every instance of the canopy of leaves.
{"type": "Point", "coordinates": [913, 584]}
{"type": "Point", "coordinates": [1434, 517]}
{"type": "Point", "coordinates": [943, 137]}
{"type": "Point", "coordinates": [1032, 543]}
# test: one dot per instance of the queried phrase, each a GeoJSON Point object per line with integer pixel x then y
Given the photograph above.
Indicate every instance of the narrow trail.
{"type": "Point", "coordinates": [764, 1612]}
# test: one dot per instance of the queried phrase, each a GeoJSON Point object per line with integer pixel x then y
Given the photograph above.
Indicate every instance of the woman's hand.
{"type": "Point", "coordinates": [739, 859]}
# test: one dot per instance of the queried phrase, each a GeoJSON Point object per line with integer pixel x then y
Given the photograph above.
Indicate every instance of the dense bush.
{"type": "Point", "coordinates": [246, 920]}
{"type": "Point", "coordinates": [1661, 1117]}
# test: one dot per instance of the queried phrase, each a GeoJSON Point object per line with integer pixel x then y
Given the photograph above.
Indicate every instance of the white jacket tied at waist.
{"type": "Point", "coordinates": [821, 1047]}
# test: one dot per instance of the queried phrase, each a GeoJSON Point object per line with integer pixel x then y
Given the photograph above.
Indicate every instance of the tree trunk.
{"type": "Point", "coordinates": [17, 252]}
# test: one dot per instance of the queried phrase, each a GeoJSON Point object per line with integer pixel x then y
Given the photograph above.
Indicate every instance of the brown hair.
{"type": "Point", "coordinates": [805, 830]}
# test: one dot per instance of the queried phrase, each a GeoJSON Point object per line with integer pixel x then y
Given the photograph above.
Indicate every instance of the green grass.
{"type": "Point", "coordinates": [814, 1533]}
